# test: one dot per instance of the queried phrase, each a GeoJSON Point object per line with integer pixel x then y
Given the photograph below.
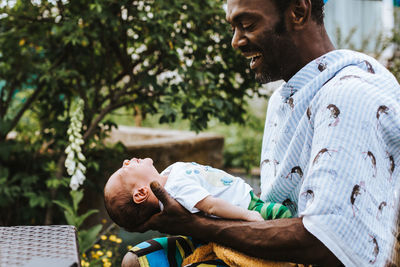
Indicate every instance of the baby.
{"type": "Point", "coordinates": [130, 202]}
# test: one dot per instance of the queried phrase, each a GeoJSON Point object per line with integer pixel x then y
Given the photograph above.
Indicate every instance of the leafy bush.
{"type": "Point", "coordinates": [243, 143]}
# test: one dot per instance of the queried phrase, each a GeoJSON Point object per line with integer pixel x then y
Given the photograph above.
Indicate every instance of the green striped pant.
{"type": "Point", "coordinates": [268, 210]}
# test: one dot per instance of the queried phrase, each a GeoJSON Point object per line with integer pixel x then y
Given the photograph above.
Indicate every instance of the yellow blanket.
{"type": "Point", "coordinates": [213, 251]}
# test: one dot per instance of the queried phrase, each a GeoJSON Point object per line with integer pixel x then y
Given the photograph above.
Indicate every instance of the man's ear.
{"type": "Point", "coordinates": [141, 194]}
{"type": "Point", "coordinates": [299, 13]}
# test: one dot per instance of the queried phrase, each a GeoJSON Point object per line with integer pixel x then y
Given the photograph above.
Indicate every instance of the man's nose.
{"type": "Point", "coordinates": [238, 39]}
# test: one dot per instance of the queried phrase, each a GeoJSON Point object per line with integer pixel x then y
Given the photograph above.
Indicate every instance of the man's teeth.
{"type": "Point", "coordinates": [253, 56]}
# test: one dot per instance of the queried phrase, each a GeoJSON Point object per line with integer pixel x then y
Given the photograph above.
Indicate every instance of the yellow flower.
{"type": "Point", "coordinates": [96, 246]}
{"type": "Point", "coordinates": [109, 254]}
{"type": "Point", "coordinates": [99, 253]}
{"type": "Point", "coordinates": [106, 264]}
{"type": "Point", "coordinates": [103, 237]}
{"type": "Point", "coordinates": [113, 238]}
{"type": "Point", "coordinates": [104, 221]}
{"type": "Point", "coordinates": [129, 247]}
{"type": "Point", "coordinates": [87, 264]}
{"type": "Point", "coordinates": [21, 42]}
{"type": "Point", "coordinates": [83, 262]}
{"type": "Point", "coordinates": [84, 255]}
{"type": "Point", "coordinates": [119, 240]}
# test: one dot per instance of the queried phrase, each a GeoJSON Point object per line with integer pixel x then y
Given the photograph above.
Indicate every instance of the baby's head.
{"type": "Point", "coordinates": [127, 195]}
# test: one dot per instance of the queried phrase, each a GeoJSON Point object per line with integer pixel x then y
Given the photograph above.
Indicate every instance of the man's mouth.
{"type": "Point", "coordinates": [256, 60]}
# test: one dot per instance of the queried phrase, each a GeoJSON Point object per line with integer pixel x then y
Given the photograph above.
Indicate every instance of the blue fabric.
{"type": "Point", "coordinates": [179, 247]}
{"type": "Point", "coordinates": [331, 153]}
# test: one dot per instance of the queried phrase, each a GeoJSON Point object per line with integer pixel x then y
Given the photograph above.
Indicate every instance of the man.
{"type": "Point", "coordinates": [330, 152]}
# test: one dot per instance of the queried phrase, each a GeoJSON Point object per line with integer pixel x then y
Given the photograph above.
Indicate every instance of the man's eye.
{"type": "Point", "coordinates": [248, 27]}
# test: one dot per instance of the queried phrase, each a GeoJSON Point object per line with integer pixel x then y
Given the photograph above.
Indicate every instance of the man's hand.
{"type": "Point", "coordinates": [171, 220]}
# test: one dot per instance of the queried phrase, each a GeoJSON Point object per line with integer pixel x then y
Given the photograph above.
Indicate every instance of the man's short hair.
{"type": "Point", "coordinates": [317, 9]}
{"type": "Point", "coordinates": [125, 212]}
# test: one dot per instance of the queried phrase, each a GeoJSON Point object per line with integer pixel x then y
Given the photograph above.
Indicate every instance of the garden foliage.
{"type": "Point", "coordinates": [170, 57]}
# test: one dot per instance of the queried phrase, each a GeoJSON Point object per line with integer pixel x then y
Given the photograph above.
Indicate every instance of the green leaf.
{"type": "Point", "coordinates": [88, 237]}
{"type": "Point", "coordinates": [80, 219]}
{"type": "Point", "coordinates": [70, 218]}
{"type": "Point", "coordinates": [65, 206]}
{"type": "Point", "coordinates": [53, 183]}
{"type": "Point", "coordinates": [3, 173]}
{"type": "Point", "coordinates": [5, 127]}
{"type": "Point", "coordinates": [77, 196]}
{"type": "Point", "coordinates": [5, 149]}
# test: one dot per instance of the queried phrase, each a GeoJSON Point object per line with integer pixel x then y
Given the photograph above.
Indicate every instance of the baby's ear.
{"type": "Point", "coordinates": [140, 194]}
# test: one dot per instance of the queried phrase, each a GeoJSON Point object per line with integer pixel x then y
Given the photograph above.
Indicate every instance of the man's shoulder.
{"type": "Point", "coordinates": [354, 82]}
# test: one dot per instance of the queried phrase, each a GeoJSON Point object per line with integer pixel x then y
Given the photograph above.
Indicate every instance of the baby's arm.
{"type": "Point", "coordinates": [221, 208]}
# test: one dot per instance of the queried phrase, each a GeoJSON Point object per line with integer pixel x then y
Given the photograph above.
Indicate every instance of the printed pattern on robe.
{"type": "Point", "coordinates": [331, 151]}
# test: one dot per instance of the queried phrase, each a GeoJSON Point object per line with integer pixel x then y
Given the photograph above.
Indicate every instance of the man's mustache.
{"type": "Point", "coordinates": [249, 48]}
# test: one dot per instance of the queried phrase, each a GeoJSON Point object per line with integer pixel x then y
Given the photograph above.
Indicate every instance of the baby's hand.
{"type": "Point", "coordinates": [254, 216]}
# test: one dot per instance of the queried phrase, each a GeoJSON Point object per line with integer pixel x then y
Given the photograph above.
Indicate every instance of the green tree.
{"type": "Point", "coordinates": [170, 57]}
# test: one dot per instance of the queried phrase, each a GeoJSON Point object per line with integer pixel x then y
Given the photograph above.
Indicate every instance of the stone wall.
{"type": "Point", "coordinates": [167, 146]}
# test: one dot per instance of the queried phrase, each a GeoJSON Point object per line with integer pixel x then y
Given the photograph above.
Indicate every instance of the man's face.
{"type": "Point", "coordinates": [259, 32]}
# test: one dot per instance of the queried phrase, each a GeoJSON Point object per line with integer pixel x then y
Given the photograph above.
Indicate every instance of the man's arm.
{"type": "Point", "coordinates": [280, 240]}
{"type": "Point", "coordinates": [223, 209]}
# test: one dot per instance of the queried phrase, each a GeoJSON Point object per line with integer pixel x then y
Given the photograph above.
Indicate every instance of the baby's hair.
{"type": "Point", "coordinates": [125, 212]}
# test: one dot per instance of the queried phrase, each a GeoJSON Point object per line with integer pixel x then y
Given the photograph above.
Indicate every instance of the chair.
{"type": "Point", "coordinates": [34, 246]}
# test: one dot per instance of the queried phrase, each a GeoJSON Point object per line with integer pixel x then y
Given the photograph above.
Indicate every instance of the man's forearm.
{"type": "Point", "coordinates": [280, 240]}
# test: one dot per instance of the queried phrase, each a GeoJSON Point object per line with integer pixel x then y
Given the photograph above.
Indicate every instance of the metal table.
{"type": "Point", "coordinates": [34, 246]}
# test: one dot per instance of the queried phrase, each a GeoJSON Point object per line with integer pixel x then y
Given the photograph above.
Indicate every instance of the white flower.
{"type": "Point", "coordinates": [81, 157]}
{"type": "Point", "coordinates": [79, 176]}
{"type": "Point", "coordinates": [74, 184]}
{"type": "Point", "coordinates": [67, 150]}
{"type": "Point", "coordinates": [188, 62]}
{"type": "Point", "coordinates": [73, 162]}
{"type": "Point", "coordinates": [81, 167]}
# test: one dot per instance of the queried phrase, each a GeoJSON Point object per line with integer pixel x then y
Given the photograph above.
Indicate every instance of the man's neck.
{"type": "Point", "coordinates": [319, 44]}
{"type": "Point", "coordinates": [312, 43]}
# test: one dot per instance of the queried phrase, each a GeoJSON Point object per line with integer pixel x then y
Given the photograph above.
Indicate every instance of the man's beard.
{"type": "Point", "coordinates": [268, 74]}
{"type": "Point", "coordinates": [270, 71]}
{"type": "Point", "coordinates": [264, 77]}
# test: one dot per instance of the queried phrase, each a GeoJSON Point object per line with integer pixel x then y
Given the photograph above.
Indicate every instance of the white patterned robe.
{"type": "Point", "coordinates": [331, 153]}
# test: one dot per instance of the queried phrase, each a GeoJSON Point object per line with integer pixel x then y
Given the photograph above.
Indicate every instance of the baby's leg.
{"type": "Point", "coordinates": [268, 210]}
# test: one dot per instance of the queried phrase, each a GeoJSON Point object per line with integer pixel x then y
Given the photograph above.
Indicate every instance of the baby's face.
{"type": "Point", "coordinates": [139, 171]}
{"type": "Point", "coordinates": [133, 174]}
